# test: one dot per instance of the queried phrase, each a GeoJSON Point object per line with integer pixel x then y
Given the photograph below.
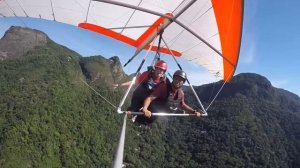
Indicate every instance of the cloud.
{"type": "Point", "coordinates": [201, 77]}
{"type": "Point", "coordinates": [286, 85]}
{"type": "Point", "coordinates": [251, 9]}
{"type": "Point", "coordinates": [249, 53]}
{"type": "Point", "coordinates": [249, 37]}
{"type": "Point", "coordinates": [280, 83]}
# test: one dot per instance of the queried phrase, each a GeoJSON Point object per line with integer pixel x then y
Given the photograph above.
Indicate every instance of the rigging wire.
{"type": "Point", "coordinates": [157, 54]}
{"type": "Point", "coordinates": [19, 18]}
{"type": "Point", "coordinates": [189, 24]}
{"type": "Point", "coordinates": [52, 10]}
{"type": "Point", "coordinates": [88, 10]}
{"type": "Point", "coordinates": [215, 96]}
{"type": "Point", "coordinates": [192, 88]}
{"type": "Point", "coordinates": [225, 81]}
{"type": "Point", "coordinates": [115, 107]}
{"type": "Point", "coordinates": [22, 9]}
{"type": "Point", "coordinates": [130, 18]}
{"type": "Point", "coordinates": [11, 9]}
{"type": "Point", "coordinates": [134, 78]}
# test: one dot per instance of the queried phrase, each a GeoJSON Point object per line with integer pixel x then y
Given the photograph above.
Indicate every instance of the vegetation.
{"type": "Point", "coordinates": [50, 118]}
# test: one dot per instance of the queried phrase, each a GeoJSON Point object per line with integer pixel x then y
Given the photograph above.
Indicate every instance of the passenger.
{"type": "Point", "coordinates": [147, 82]}
{"type": "Point", "coordinates": [166, 98]}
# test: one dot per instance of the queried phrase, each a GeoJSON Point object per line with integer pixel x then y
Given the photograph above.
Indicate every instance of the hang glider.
{"type": "Point", "coordinates": [205, 32]}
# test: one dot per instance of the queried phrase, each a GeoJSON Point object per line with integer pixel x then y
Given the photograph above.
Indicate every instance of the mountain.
{"type": "Point", "coordinates": [17, 41]}
{"type": "Point", "coordinates": [251, 124]}
{"type": "Point", "coordinates": [50, 118]}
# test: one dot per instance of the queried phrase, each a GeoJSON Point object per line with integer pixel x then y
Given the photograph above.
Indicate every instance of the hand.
{"type": "Point", "coordinates": [115, 86]}
{"type": "Point", "coordinates": [147, 113]}
{"type": "Point", "coordinates": [198, 114]}
{"type": "Point", "coordinates": [129, 114]}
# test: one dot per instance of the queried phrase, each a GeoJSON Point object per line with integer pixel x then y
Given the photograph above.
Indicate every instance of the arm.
{"type": "Point", "coordinates": [123, 85]}
{"type": "Point", "coordinates": [189, 109]}
{"type": "Point", "coordinates": [146, 105]}
{"type": "Point", "coordinates": [155, 94]}
{"type": "Point", "coordinates": [140, 78]}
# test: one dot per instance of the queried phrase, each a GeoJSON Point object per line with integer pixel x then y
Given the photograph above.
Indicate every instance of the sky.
{"type": "Point", "coordinates": [270, 43]}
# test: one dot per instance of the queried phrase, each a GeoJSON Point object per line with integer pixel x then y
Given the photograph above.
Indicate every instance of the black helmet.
{"type": "Point", "coordinates": [180, 73]}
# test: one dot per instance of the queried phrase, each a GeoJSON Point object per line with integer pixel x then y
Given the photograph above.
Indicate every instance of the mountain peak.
{"type": "Point", "coordinates": [19, 40]}
{"type": "Point", "coordinates": [253, 79]}
{"type": "Point", "coordinates": [116, 69]}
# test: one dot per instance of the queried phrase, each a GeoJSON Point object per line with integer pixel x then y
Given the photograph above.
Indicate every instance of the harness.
{"type": "Point", "coordinates": [150, 85]}
{"type": "Point", "coordinates": [172, 100]}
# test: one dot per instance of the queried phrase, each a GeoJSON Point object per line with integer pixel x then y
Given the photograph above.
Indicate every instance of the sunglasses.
{"type": "Point", "coordinates": [178, 78]}
{"type": "Point", "coordinates": [159, 70]}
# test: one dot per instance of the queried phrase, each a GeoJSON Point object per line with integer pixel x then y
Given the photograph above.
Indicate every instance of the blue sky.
{"type": "Point", "coordinates": [270, 43]}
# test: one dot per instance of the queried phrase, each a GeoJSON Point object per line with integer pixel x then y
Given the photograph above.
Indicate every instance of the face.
{"type": "Point", "coordinates": [159, 72]}
{"type": "Point", "coordinates": [178, 82]}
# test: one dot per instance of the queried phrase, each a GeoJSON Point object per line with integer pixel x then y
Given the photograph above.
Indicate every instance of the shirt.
{"type": "Point", "coordinates": [143, 78]}
{"type": "Point", "coordinates": [173, 99]}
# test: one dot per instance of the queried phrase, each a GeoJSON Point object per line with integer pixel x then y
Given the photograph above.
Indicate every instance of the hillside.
{"type": "Point", "coordinates": [50, 118]}
{"type": "Point", "coordinates": [251, 124]}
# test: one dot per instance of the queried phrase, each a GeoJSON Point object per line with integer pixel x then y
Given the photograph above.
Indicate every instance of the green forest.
{"type": "Point", "coordinates": [50, 118]}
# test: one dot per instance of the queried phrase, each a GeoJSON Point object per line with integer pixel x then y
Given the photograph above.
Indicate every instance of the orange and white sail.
{"type": "Point", "coordinates": [205, 32]}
